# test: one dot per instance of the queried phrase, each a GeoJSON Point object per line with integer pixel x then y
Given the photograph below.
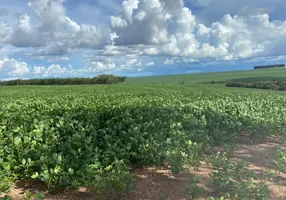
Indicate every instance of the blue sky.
{"type": "Point", "coordinates": [72, 38]}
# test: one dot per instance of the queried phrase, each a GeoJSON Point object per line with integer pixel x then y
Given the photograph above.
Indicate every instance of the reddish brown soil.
{"type": "Point", "coordinates": [161, 184]}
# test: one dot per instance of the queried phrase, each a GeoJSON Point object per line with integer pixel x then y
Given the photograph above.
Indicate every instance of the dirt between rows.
{"type": "Point", "coordinates": [160, 184]}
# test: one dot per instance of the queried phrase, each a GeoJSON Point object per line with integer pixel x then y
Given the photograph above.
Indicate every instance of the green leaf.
{"type": "Point", "coordinates": [35, 175]}
{"type": "Point", "coordinates": [57, 169]}
{"type": "Point", "coordinates": [28, 195]}
{"type": "Point", "coordinates": [60, 158]}
{"type": "Point", "coordinates": [17, 140]}
{"type": "Point", "coordinates": [71, 171]}
{"type": "Point", "coordinates": [108, 168]}
{"type": "Point", "coordinates": [16, 130]}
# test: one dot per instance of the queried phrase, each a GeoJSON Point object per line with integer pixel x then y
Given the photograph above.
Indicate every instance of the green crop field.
{"type": "Point", "coordinates": [71, 136]}
{"type": "Point", "coordinates": [248, 75]}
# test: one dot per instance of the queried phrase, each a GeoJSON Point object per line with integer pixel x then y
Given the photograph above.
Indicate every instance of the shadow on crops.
{"type": "Point", "coordinates": [134, 125]}
{"type": "Point", "coordinates": [81, 145]}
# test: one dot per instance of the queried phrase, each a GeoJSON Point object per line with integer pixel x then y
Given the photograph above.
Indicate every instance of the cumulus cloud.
{"type": "Point", "coordinates": [148, 27]}
{"type": "Point", "coordinates": [155, 29]}
{"type": "Point", "coordinates": [151, 51]}
{"type": "Point", "coordinates": [12, 68]}
{"type": "Point", "coordinates": [7, 51]}
{"type": "Point", "coordinates": [24, 34]}
{"type": "Point", "coordinates": [90, 36]}
{"type": "Point", "coordinates": [141, 22]}
{"type": "Point", "coordinates": [54, 71]}
{"type": "Point", "coordinates": [50, 12]}
{"type": "Point", "coordinates": [5, 32]}
{"type": "Point", "coordinates": [55, 48]}
{"type": "Point", "coordinates": [99, 67]}
{"type": "Point", "coordinates": [176, 32]}
{"type": "Point", "coordinates": [52, 30]}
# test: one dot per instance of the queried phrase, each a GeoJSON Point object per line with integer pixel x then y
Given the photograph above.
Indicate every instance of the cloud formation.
{"type": "Point", "coordinates": [12, 68]}
{"type": "Point", "coordinates": [51, 30]}
{"type": "Point", "coordinates": [142, 31]}
{"type": "Point", "coordinates": [174, 31]}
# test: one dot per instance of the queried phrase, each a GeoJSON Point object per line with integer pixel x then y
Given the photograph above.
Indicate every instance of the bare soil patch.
{"type": "Point", "coordinates": [160, 184]}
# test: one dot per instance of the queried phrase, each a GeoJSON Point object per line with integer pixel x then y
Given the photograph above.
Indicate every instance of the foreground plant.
{"type": "Point", "coordinates": [237, 180]}
{"type": "Point", "coordinates": [193, 189]}
{"type": "Point", "coordinates": [280, 159]}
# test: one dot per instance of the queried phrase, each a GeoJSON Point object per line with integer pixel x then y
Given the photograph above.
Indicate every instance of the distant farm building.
{"type": "Point", "coordinates": [269, 66]}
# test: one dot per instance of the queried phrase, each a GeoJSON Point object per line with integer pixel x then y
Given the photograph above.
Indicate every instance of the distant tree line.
{"type": "Point", "coordinates": [101, 79]}
{"type": "Point", "coordinates": [268, 85]}
{"type": "Point", "coordinates": [269, 66]}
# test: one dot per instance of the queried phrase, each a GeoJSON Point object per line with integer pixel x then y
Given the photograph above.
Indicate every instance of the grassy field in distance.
{"type": "Point", "coordinates": [221, 77]}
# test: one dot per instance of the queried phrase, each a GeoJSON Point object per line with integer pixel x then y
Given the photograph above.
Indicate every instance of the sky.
{"type": "Point", "coordinates": [85, 38]}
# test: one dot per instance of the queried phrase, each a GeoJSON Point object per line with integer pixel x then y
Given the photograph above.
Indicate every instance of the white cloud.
{"type": "Point", "coordinates": [12, 68]}
{"type": "Point", "coordinates": [165, 30]}
{"type": "Point", "coordinates": [189, 60]}
{"type": "Point", "coordinates": [145, 23]}
{"type": "Point", "coordinates": [71, 26]}
{"type": "Point", "coordinates": [57, 59]}
{"type": "Point", "coordinates": [5, 32]}
{"type": "Point", "coordinates": [149, 64]}
{"type": "Point", "coordinates": [99, 67]}
{"type": "Point", "coordinates": [151, 51]}
{"type": "Point", "coordinates": [231, 38]}
{"type": "Point", "coordinates": [24, 34]}
{"type": "Point", "coordinates": [116, 63]}
{"type": "Point", "coordinates": [118, 22]}
{"type": "Point", "coordinates": [50, 12]}
{"type": "Point", "coordinates": [7, 50]}
{"type": "Point", "coordinates": [168, 62]}
{"type": "Point", "coordinates": [64, 58]}
{"type": "Point", "coordinates": [111, 50]}
{"type": "Point", "coordinates": [52, 30]}
{"type": "Point", "coordinates": [90, 36]}
{"type": "Point", "coordinates": [54, 70]}
{"type": "Point", "coordinates": [132, 62]}
{"type": "Point", "coordinates": [54, 48]}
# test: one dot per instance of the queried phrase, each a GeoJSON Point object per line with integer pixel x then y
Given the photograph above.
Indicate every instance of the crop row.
{"type": "Point", "coordinates": [78, 138]}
